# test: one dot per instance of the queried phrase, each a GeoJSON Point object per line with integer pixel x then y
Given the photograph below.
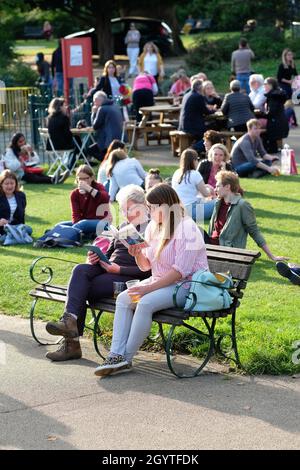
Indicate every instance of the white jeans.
{"type": "Point", "coordinates": [133, 53]}
{"type": "Point", "coordinates": [132, 325]}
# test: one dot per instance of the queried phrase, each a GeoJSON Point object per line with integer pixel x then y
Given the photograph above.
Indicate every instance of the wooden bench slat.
{"type": "Point", "coordinates": [230, 257]}
{"type": "Point", "coordinates": [229, 249]}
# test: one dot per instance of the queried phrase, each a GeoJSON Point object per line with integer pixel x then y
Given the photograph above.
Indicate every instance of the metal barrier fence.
{"type": "Point", "coordinates": [25, 110]}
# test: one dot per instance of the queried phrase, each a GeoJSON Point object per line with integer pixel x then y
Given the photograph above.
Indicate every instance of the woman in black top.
{"type": "Point", "coordinates": [94, 280]}
{"type": "Point", "coordinates": [286, 71]}
{"type": "Point", "coordinates": [12, 201]}
{"type": "Point", "coordinates": [277, 123]}
{"type": "Point", "coordinates": [59, 130]}
{"type": "Point", "coordinates": [109, 82]}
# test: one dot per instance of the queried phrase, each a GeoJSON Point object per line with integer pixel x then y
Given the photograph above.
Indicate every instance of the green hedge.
{"type": "Point", "coordinates": [264, 41]}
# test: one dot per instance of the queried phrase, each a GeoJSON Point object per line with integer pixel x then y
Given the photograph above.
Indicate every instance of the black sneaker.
{"type": "Point", "coordinates": [287, 272]}
{"type": "Point", "coordinates": [112, 363]}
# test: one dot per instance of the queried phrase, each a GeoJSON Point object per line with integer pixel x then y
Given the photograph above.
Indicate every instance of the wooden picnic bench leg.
{"type": "Point", "coordinates": [171, 356]}
{"type": "Point", "coordinates": [33, 330]}
{"type": "Point", "coordinates": [235, 358]}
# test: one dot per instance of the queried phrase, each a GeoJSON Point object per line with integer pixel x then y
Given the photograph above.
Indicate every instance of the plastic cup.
{"type": "Point", "coordinates": [118, 287]}
{"type": "Point", "coordinates": [134, 297]}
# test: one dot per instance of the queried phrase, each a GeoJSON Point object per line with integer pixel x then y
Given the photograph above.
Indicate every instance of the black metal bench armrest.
{"type": "Point", "coordinates": [44, 270]}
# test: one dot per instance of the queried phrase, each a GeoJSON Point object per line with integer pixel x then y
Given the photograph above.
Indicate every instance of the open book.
{"type": "Point", "coordinates": [127, 235]}
{"type": "Point", "coordinates": [99, 253]}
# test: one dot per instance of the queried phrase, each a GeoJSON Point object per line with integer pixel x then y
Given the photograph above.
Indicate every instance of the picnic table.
{"type": "Point", "coordinates": [164, 110]}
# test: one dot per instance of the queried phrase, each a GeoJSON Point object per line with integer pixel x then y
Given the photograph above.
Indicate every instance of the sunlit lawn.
{"type": "Point", "coordinates": [268, 319]}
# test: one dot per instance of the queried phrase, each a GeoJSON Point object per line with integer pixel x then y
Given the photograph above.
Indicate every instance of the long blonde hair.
{"type": "Point", "coordinates": [284, 61]}
{"type": "Point", "coordinates": [165, 196]}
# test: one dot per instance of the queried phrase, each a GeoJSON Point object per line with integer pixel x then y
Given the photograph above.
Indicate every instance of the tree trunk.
{"type": "Point", "coordinates": [102, 13]}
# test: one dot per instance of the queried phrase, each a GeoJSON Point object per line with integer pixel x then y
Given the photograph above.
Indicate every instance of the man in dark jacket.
{"type": "Point", "coordinates": [107, 121]}
{"type": "Point", "coordinates": [57, 70]}
{"type": "Point", "coordinates": [192, 113]}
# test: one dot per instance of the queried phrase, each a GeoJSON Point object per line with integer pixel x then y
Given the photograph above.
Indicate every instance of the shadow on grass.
{"type": "Point", "coordinates": [276, 215]}
{"type": "Point", "coordinates": [254, 195]}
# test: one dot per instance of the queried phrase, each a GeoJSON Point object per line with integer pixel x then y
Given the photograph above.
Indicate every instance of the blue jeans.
{"type": "Point", "coordinates": [59, 78]}
{"type": "Point", "coordinates": [246, 168]}
{"type": "Point", "coordinates": [243, 78]}
{"type": "Point", "coordinates": [200, 210]}
{"type": "Point", "coordinates": [87, 226]}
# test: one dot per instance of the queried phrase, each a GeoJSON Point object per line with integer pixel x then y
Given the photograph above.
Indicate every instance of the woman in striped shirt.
{"type": "Point", "coordinates": [174, 251]}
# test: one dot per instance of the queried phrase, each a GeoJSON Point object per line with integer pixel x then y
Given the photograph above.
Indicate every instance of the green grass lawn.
{"type": "Point", "coordinates": [30, 47]}
{"type": "Point", "coordinates": [268, 320]}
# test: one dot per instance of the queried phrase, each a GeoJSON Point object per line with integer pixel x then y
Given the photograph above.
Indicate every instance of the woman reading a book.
{"type": "Point", "coordinates": [175, 251]}
{"type": "Point", "coordinates": [94, 280]}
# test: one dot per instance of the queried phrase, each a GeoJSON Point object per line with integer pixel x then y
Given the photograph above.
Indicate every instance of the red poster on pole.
{"type": "Point", "coordinates": [77, 61]}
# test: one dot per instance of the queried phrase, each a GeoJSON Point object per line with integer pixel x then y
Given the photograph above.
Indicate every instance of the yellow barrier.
{"type": "Point", "coordinates": [14, 104]}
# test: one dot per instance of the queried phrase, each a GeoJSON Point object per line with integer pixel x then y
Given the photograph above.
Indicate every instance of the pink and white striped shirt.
{"type": "Point", "coordinates": [185, 252]}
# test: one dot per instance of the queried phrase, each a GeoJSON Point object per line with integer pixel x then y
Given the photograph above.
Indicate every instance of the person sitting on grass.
{"type": "Point", "coordinates": [89, 202]}
{"type": "Point", "coordinates": [191, 189]}
{"type": "Point", "coordinates": [291, 271]}
{"type": "Point", "coordinates": [175, 251]}
{"type": "Point", "coordinates": [20, 158]}
{"type": "Point", "coordinates": [217, 159]}
{"type": "Point", "coordinates": [12, 203]}
{"type": "Point", "coordinates": [153, 178]}
{"type": "Point", "coordinates": [94, 280]}
{"type": "Point", "coordinates": [234, 218]}
{"type": "Point", "coordinates": [249, 156]}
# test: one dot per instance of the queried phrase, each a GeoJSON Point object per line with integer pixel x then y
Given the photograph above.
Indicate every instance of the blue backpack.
{"type": "Point", "coordinates": [61, 236]}
{"type": "Point", "coordinates": [208, 292]}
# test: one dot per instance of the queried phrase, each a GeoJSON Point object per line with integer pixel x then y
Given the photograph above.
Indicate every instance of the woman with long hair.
{"type": "Point", "coordinates": [174, 251]}
{"type": "Point", "coordinates": [122, 170]}
{"type": "Point", "coordinates": [191, 189]}
{"type": "Point", "coordinates": [109, 82]}
{"type": "Point", "coordinates": [102, 176]}
{"type": "Point", "coordinates": [21, 159]}
{"type": "Point", "coordinates": [151, 61]}
{"type": "Point", "coordinates": [212, 99]}
{"type": "Point", "coordinates": [12, 202]}
{"type": "Point", "coordinates": [286, 71]}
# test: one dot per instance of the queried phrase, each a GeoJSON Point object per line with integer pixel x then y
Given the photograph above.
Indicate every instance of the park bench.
{"type": "Point", "coordinates": [33, 32]}
{"type": "Point", "coordinates": [238, 262]}
{"type": "Point", "coordinates": [180, 141]}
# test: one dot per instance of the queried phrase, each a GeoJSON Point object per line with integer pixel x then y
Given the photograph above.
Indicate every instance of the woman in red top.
{"type": "Point", "coordinates": [89, 203]}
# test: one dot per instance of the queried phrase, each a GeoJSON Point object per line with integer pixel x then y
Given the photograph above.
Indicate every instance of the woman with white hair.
{"type": "Point", "coordinates": [92, 281]}
{"type": "Point", "coordinates": [257, 93]}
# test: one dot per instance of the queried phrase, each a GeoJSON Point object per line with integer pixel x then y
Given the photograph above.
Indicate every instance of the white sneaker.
{"type": "Point", "coordinates": [112, 363]}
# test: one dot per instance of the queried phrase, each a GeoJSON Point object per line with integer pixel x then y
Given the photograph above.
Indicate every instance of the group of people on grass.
{"type": "Point", "coordinates": [173, 251]}
{"type": "Point", "coordinates": [166, 213]}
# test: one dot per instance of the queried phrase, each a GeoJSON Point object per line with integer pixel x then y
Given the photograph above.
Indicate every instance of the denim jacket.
{"type": "Point", "coordinates": [240, 222]}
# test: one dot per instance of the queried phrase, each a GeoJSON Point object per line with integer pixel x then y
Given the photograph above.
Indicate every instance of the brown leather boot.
{"type": "Point", "coordinates": [66, 326]}
{"type": "Point", "coordinates": [69, 349]}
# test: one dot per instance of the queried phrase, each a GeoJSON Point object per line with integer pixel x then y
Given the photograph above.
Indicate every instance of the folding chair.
{"type": "Point", "coordinates": [58, 159]}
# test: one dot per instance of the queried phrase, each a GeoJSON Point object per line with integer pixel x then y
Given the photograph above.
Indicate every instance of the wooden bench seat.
{"type": "Point", "coordinates": [180, 141]}
{"type": "Point", "coordinates": [221, 259]}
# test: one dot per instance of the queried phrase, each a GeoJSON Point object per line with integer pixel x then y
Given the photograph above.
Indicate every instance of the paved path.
{"type": "Point", "coordinates": [64, 406]}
